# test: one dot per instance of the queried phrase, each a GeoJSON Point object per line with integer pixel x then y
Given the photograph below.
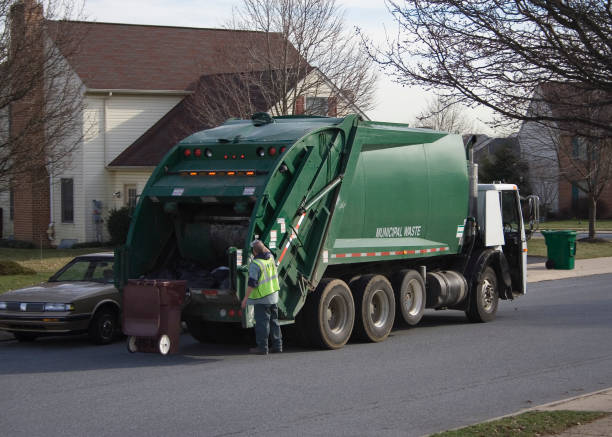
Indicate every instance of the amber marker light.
{"type": "Point", "coordinates": [250, 173]}
{"type": "Point", "coordinates": [212, 173]}
{"type": "Point", "coordinates": [193, 173]}
{"type": "Point", "coordinates": [231, 173]}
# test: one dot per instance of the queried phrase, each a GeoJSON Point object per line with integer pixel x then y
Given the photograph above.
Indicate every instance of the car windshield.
{"type": "Point", "coordinates": [95, 270]}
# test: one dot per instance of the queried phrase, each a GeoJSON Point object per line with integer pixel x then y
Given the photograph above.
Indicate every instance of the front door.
{"type": "Point", "coordinates": [515, 247]}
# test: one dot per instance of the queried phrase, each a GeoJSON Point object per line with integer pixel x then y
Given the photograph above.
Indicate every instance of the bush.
{"type": "Point", "coordinates": [118, 225]}
{"type": "Point", "coordinates": [17, 244]}
{"type": "Point", "coordinates": [12, 268]}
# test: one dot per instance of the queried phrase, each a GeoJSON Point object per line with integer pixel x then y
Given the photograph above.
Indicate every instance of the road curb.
{"type": "Point", "coordinates": [542, 407]}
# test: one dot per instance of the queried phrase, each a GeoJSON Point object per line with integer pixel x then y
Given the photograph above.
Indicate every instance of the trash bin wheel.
{"type": "Point", "coordinates": [131, 344]}
{"type": "Point", "coordinates": [550, 264]}
{"type": "Point", "coordinates": [164, 344]}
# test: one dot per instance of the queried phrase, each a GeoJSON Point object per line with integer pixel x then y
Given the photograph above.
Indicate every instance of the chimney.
{"type": "Point", "coordinates": [30, 179]}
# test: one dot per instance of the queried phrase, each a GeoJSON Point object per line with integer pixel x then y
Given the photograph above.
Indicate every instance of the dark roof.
{"type": "Point", "coordinates": [216, 98]}
{"type": "Point", "coordinates": [141, 57]}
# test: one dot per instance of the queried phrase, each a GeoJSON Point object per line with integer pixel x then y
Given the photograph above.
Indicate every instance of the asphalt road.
{"type": "Point", "coordinates": [551, 344]}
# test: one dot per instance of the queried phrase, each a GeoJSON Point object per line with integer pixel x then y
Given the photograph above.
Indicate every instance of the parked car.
{"type": "Point", "coordinates": [81, 297]}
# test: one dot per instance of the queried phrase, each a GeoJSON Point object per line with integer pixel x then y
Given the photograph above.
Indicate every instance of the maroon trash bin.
{"type": "Point", "coordinates": [152, 315]}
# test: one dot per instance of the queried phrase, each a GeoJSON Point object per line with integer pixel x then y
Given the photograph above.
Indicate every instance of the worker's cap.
{"type": "Point", "coordinates": [254, 242]}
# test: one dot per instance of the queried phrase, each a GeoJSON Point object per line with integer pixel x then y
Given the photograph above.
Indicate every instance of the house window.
{"type": "Point", "coordinates": [130, 196]}
{"type": "Point", "coordinates": [317, 106]}
{"type": "Point", "coordinates": [67, 187]}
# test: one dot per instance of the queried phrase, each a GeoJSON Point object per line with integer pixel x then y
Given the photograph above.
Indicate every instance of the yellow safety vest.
{"type": "Point", "coordinates": [268, 278]}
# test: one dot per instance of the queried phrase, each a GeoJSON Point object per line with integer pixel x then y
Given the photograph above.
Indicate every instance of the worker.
{"type": "Point", "coordinates": [262, 293]}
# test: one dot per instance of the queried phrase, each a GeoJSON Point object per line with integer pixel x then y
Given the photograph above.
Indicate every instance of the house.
{"type": "Point", "coordinates": [143, 90]}
{"type": "Point", "coordinates": [557, 151]}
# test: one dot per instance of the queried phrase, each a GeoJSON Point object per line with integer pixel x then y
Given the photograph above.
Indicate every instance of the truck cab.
{"type": "Point", "coordinates": [500, 219]}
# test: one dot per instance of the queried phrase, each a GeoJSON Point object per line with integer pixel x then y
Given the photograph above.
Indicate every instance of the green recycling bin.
{"type": "Point", "coordinates": [561, 249]}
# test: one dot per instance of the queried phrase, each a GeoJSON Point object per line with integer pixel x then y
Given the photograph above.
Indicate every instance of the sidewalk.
{"type": "Point", "coordinates": [537, 271]}
{"type": "Point", "coordinates": [597, 401]}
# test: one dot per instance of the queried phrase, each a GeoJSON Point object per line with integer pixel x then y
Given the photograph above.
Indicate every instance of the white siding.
{"type": "Point", "coordinates": [128, 117]}
{"type": "Point", "coordinates": [537, 143]}
{"type": "Point", "coordinates": [114, 123]}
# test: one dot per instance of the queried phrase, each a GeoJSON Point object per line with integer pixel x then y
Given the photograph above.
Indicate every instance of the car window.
{"type": "Point", "coordinates": [87, 270]}
{"type": "Point", "coordinates": [102, 272]}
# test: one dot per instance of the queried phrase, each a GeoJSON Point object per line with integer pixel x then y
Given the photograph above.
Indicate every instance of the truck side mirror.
{"type": "Point", "coordinates": [531, 214]}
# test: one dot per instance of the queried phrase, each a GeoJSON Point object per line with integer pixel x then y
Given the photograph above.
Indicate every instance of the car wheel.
{"type": "Point", "coordinates": [25, 336]}
{"type": "Point", "coordinates": [103, 326]}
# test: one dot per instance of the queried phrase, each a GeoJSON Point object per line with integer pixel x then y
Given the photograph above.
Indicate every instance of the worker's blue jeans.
{"type": "Point", "coordinates": [266, 325]}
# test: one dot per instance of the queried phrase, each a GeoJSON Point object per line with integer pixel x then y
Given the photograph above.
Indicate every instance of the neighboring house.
{"type": "Point", "coordinates": [487, 146]}
{"type": "Point", "coordinates": [139, 84]}
{"type": "Point", "coordinates": [551, 149]}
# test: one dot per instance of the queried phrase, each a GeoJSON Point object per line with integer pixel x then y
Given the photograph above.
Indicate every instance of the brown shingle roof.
{"type": "Point", "coordinates": [142, 57]}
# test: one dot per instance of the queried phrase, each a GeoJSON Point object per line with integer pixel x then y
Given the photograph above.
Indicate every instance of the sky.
{"type": "Point", "coordinates": [393, 102]}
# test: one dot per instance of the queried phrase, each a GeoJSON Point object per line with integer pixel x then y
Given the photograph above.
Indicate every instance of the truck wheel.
{"type": "Point", "coordinates": [330, 314]}
{"type": "Point", "coordinates": [374, 307]}
{"type": "Point", "coordinates": [103, 326]}
{"type": "Point", "coordinates": [198, 330]}
{"type": "Point", "coordinates": [484, 298]}
{"type": "Point", "coordinates": [409, 289]}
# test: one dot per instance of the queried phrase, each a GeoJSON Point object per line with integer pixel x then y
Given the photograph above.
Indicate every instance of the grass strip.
{"type": "Point", "coordinates": [584, 250]}
{"type": "Point", "coordinates": [576, 224]}
{"type": "Point", "coordinates": [530, 424]}
{"type": "Point", "coordinates": [43, 262]}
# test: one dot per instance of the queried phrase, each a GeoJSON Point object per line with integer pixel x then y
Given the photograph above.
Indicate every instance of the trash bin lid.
{"type": "Point", "coordinates": [561, 232]}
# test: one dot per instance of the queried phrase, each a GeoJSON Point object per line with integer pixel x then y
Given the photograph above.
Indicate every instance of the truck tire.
{"type": "Point", "coordinates": [374, 308]}
{"type": "Point", "coordinates": [484, 297]}
{"type": "Point", "coordinates": [198, 330]}
{"type": "Point", "coordinates": [330, 314]}
{"type": "Point", "coordinates": [409, 290]}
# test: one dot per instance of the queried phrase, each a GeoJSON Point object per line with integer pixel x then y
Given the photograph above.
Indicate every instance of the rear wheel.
{"type": "Point", "coordinates": [103, 326]}
{"type": "Point", "coordinates": [164, 344]}
{"type": "Point", "coordinates": [484, 297]}
{"type": "Point", "coordinates": [24, 336]}
{"type": "Point", "coordinates": [131, 344]}
{"type": "Point", "coordinates": [409, 289]}
{"type": "Point", "coordinates": [330, 314]}
{"type": "Point", "coordinates": [374, 307]}
{"type": "Point", "coordinates": [199, 330]}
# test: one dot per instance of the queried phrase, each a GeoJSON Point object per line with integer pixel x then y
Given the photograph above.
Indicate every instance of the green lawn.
{"type": "Point", "coordinates": [44, 263]}
{"type": "Point", "coordinates": [530, 424]}
{"type": "Point", "coordinates": [537, 247]}
{"type": "Point", "coordinates": [577, 225]}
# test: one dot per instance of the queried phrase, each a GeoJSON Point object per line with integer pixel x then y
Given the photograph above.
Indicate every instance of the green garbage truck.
{"type": "Point", "coordinates": [370, 223]}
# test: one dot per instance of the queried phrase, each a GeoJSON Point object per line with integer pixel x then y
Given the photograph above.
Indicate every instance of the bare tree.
{"type": "Point", "coordinates": [497, 52]}
{"type": "Point", "coordinates": [307, 53]}
{"type": "Point", "coordinates": [579, 154]}
{"type": "Point", "coordinates": [440, 114]}
{"type": "Point", "coordinates": [40, 101]}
